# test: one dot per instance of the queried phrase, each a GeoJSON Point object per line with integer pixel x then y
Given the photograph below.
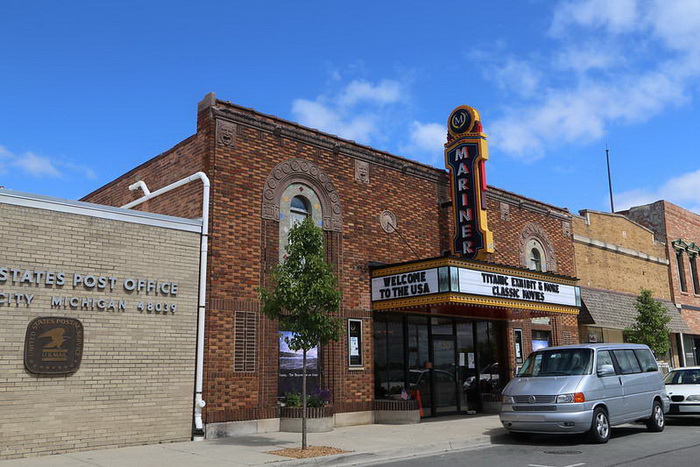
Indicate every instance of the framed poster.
{"type": "Point", "coordinates": [290, 367]}
{"type": "Point", "coordinates": [518, 337]}
{"type": "Point", "coordinates": [355, 342]}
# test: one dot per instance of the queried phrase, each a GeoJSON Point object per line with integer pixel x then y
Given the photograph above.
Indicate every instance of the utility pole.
{"type": "Point", "coordinates": [607, 158]}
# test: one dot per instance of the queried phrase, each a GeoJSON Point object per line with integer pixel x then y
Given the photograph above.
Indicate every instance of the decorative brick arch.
{"type": "Point", "coordinates": [305, 172]}
{"type": "Point", "coordinates": [534, 231]}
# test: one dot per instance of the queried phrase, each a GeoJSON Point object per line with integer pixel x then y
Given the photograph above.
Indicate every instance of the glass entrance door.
{"type": "Point", "coordinates": [444, 375]}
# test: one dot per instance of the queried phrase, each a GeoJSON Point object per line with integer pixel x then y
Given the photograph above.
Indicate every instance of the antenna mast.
{"type": "Point", "coordinates": [607, 158]}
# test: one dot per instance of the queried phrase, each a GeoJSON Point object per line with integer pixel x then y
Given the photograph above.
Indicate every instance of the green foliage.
{"type": "Point", "coordinates": [320, 399]}
{"type": "Point", "coordinates": [303, 298]}
{"type": "Point", "coordinates": [305, 292]}
{"type": "Point", "coordinates": [292, 399]}
{"type": "Point", "coordinates": [650, 327]}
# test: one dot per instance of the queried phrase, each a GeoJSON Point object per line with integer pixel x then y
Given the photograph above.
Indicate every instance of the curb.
{"type": "Point", "coordinates": [392, 454]}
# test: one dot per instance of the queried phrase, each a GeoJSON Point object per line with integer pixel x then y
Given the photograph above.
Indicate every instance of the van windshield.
{"type": "Point", "coordinates": [560, 362]}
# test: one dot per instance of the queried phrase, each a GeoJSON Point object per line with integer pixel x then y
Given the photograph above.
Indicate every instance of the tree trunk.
{"type": "Point", "coordinates": [303, 401]}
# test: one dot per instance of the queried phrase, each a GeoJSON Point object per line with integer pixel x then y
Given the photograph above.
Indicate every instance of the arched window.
{"type": "Point", "coordinates": [298, 202]}
{"type": "Point", "coordinates": [298, 210]}
{"type": "Point", "coordinates": [535, 256]}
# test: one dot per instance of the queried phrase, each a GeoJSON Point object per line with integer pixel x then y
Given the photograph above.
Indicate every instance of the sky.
{"type": "Point", "coordinates": [89, 90]}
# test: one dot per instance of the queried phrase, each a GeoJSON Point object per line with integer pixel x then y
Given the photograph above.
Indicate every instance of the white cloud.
{"type": "Point", "coordinates": [582, 59]}
{"type": "Point", "coordinates": [354, 112]}
{"type": "Point", "coordinates": [426, 141]}
{"type": "Point", "coordinates": [34, 165]}
{"type": "Point", "coordinates": [517, 76]}
{"type": "Point", "coordinates": [613, 15]}
{"type": "Point", "coordinates": [587, 85]}
{"type": "Point", "coordinates": [386, 92]}
{"type": "Point", "coordinates": [676, 22]}
{"type": "Point", "coordinates": [683, 190]}
{"type": "Point", "coordinates": [333, 120]}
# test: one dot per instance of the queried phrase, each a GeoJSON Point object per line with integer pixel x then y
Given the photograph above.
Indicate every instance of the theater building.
{"type": "Point", "coordinates": [425, 317]}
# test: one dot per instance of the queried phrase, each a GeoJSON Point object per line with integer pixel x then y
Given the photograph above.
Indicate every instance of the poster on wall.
{"type": "Point", "coordinates": [355, 342]}
{"type": "Point", "coordinates": [518, 335]}
{"type": "Point", "coordinates": [290, 367]}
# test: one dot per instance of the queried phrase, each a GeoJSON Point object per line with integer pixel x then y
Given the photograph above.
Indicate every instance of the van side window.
{"type": "Point", "coordinates": [604, 358]}
{"type": "Point", "coordinates": [646, 359]}
{"type": "Point", "coordinates": [627, 361]}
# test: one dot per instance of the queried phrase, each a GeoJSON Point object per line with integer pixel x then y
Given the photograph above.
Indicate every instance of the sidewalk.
{"type": "Point", "coordinates": [367, 444]}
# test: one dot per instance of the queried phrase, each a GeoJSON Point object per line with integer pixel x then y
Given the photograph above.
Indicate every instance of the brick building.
{"type": "Point", "coordinates": [615, 259]}
{"type": "Point", "coordinates": [679, 229]}
{"type": "Point", "coordinates": [386, 219]}
{"type": "Point", "coordinates": [98, 312]}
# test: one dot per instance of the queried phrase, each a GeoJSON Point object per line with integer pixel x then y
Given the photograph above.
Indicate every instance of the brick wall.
{"type": "Point", "coordinates": [614, 253]}
{"type": "Point", "coordinates": [135, 383]}
{"type": "Point", "coordinates": [514, 219]}
{"type": "Point", "coordinates": [241, 151]}
{"type": "Point", "coordinates": [671, 223]}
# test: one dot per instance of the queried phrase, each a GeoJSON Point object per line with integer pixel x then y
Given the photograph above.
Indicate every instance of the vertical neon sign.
{"type": "Point", "coordinates": [465, 154]}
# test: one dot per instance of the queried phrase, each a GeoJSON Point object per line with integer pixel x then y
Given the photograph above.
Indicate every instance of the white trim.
{"type": "Point", "coordinates": [619, 249]}
{"type": "Point", "coordinates": [80, 208]}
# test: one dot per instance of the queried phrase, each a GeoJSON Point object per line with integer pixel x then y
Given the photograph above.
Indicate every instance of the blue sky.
{"type": "Point", "coordinates": [89, 90]}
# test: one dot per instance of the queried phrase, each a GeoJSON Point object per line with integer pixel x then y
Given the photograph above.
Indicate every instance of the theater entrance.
{"type": "Point", "coordinates": [448, 364]}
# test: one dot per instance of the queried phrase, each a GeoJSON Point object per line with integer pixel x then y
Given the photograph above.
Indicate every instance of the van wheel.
{"type": "Point", "coordinates": [656, 422]}
{"type": "Point", "coordinates": [600, 427]}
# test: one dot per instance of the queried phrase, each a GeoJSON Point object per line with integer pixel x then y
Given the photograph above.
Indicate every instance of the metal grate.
{"type": "Point", "coordinates": [534, 408]}
{"type": "Point", "coordinates": [245, 333]}
{"type": "Point", "coordinates": [537, 400]}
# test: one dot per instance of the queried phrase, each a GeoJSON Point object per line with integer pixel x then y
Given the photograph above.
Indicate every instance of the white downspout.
{"type": "Point", "coordinates": [199, 403]}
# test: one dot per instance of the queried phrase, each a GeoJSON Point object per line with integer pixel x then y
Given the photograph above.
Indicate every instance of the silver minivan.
{"type": "Point", "coordinates": [585, 388]}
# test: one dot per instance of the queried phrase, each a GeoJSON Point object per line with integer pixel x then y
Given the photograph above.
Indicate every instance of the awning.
{"type": "Point", "coordinates": [616, 310]}
{"type": "Point", "coordinates": [447, 281]}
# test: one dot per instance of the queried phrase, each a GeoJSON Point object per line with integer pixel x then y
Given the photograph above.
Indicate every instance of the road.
{"type": "Point", "coordinates": [630, 445]}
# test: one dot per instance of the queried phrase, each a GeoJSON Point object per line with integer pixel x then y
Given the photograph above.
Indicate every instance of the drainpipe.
{"type": "Point", "coordinates": [199, 403]}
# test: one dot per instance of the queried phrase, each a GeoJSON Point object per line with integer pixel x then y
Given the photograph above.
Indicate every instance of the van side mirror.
{"type": "Point", "coordinates": [606, 370]}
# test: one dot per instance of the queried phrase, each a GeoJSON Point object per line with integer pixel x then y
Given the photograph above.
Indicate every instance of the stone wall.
{"type": "Point", "coordinates": [615, 253]}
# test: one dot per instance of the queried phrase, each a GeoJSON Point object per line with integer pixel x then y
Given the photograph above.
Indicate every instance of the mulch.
{"type": "Point", "coordinates": [310, 451]}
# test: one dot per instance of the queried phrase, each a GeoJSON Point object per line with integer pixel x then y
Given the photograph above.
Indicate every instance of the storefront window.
{"type": "Point", "coordinates": [446, 364]}
{"type": "Point", "coordinates": [389, 357]}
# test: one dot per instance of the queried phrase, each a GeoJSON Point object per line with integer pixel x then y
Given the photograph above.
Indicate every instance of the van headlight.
{"type": "Point", "coordinates": [570, 398]}
{"type": "Point", "coordinates": [507, 400]}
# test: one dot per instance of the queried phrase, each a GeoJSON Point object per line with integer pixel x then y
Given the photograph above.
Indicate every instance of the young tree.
{"type": "Point", "coordinates": [303, 297]}
{"type": "Point", "coordinates": [650, 326]}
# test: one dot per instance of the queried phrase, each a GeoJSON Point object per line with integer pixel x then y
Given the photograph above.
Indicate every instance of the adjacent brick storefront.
{"type": "Point", "coordinates": [135, 382]}
{"type": "Point", "coordinates": [679, 229]}
{"type": "Point", "coordinates": [253, 161]}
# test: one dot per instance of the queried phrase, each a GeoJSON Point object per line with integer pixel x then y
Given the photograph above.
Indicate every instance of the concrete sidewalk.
{"type": "Point", "coordinates": [367, 444]}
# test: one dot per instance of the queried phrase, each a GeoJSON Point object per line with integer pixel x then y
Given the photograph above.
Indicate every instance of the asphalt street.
{"type": "Point", "coordinates": [630, 445]}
